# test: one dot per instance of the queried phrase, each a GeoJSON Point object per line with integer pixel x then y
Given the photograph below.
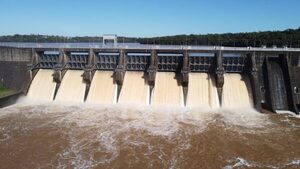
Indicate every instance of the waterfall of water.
{"type": "Point", "coordinates": [135, 89]}
{"type": "Point", "coordinates": [103, 90]}
{"type": "Point", "coordinates": [42, 87]}
{"type": "Point", "coordinates": [236, 91]}
{"type": "Point", "coordinates": [72, 87]}
{"type": "Point", "coordinates": [202, 91]}
{"type": "Point", "coordinates": [167, 90]}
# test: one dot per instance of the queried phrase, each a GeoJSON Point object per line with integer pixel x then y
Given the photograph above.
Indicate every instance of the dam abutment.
{"type": "Point", "coordinates": [13, 67]}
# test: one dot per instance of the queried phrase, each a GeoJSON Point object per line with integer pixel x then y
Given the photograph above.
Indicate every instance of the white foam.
{"type": "Point", "coordinates": [294, 162]}
{"type": "Point", "coordinates": [240, 162]}
{"type": "Point", "coordinates": [291, 114]}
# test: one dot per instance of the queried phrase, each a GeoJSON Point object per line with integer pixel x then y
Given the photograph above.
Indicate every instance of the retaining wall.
{"type": "Point", "coordinates": [13, 66]}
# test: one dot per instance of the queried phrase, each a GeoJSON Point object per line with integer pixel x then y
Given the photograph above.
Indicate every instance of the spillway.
{"type": "Point", "coordinates": [135, 89]}
{"type": "Point", "coordinates": [236, 91]}
{"type": "Point", "coordinates": [202, 91]}
{"type": "Point", "coordinates": [167, 91]}
{"type": "Point", "coordinates": [72, 87]}
{"type": "Point", "coordinates": [42, 87]}
{"type": "Point", "coordinates": [103, 88]}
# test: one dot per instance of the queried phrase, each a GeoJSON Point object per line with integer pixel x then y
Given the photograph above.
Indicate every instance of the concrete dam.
{"type": "Point", "coordinates": [155, 75]}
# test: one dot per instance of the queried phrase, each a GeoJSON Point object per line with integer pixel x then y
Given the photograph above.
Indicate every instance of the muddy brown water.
{"type": "Point", "coordinates": [66, 136]}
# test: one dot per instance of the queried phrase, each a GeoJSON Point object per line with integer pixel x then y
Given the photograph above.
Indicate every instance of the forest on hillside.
{"type": "Point", "coordinates": [289, 38]}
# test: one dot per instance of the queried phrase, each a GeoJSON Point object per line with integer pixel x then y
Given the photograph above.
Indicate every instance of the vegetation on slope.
{"type": "Point", "coordinates": [289, 38]}
{"type": "Point", "coordinates": [5, 91]}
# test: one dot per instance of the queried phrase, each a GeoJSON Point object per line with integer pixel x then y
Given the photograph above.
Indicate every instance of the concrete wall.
{"type": "Point", "coordinates": [15, 54]}
{"type": "Point", "coordinates": [13, 74]}
{"type": "Point", "coordinates": [13, 66]}
{"type": "Point", "coordinates": [294, 74]}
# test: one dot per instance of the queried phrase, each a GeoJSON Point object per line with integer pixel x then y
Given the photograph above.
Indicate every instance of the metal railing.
{"type": "Point", "coordinates": [86, 45]}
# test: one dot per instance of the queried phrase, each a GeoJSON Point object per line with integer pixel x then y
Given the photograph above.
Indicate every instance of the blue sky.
{"type": "Point", "coordinates": [145, 18]}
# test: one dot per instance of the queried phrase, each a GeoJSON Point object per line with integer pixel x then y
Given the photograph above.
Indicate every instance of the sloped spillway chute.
{"type": "Point", "coordinates": [42, 87]}
{"type": "Point", "coordinates": [167, 90]}
{"type": "Point", "coordinates": [202, 91]}
{"type": "Point", "coordinates": [135, 89]}
{"type": "Point", "coordinates": [236, 91]}
{"type": "Point", "coordinates": [103, 89]}
{"type": "Point", "coordinates": [72, 87]}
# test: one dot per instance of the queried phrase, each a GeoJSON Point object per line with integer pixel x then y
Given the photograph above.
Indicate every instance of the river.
{"type": "Point", "coordinates": [52, 135]}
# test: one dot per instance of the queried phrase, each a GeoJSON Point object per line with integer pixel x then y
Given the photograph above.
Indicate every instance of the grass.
{"type": "Point", "coordinates": [4, 91]}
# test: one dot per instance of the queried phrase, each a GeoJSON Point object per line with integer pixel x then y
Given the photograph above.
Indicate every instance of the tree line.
{"type": "Point", "coordinates": [289, 38]}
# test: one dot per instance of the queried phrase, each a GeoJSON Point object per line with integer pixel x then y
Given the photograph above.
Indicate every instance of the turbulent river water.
{"type": "Point", "coordinates": [86, 136]}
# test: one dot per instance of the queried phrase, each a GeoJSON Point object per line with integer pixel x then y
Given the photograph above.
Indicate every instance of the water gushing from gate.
{"type": "Point", "coordinates": [42, 87]}
{"type": "Point", "coordinates": [167, 90]}
{"type": "Point", "coordinates": [135, 89]}
{"type": "Point", "coordinates": [72, 87]}
{"type": "Point", "coordinates": [236, 91]}
{"type": "Point", "coordinates": [103, 88]}
{"type": "Point", "coordinates": [202, 91]}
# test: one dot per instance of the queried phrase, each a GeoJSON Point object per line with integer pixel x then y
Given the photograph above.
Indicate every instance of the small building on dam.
{"type": "Point", "coordinates": [158, 75]}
